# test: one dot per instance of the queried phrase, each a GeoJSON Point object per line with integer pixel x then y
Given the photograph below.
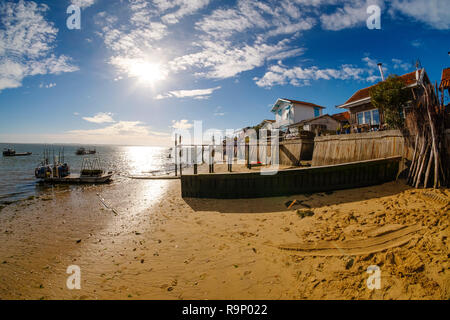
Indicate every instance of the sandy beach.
{"type": "Point", "coordinates": [149, 243]}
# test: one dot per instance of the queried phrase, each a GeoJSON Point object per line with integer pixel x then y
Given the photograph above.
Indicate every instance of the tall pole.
{"type": "Point", "coordinates": [247, 153]}
{"type": "Point", "coordinates": [181, 162]}
{"type": "Point", "coordinates": [176, 172]}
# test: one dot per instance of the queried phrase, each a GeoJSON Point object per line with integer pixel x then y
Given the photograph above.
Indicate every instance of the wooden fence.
{"type": "Point", "coordinates": [345, 148]}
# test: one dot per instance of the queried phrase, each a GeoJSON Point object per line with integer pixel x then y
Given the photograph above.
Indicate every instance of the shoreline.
{"type": "Point", "coordinates": [160, 246]}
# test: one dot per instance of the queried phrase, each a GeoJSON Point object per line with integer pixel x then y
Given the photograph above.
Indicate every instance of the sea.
{"type": "Point", "coordinates": [17, 180]}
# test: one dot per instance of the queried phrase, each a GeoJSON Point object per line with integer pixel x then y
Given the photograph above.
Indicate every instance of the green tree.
{"type": "Point", "coordinates": [390, 97]}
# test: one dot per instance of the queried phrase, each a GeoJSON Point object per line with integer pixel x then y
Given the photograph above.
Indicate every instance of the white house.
{"type": "Point", "coordinates": [288, 112]}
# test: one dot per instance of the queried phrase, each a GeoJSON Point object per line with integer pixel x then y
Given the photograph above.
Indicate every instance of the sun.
{"type": "Point", "coordinates": [146, 72]}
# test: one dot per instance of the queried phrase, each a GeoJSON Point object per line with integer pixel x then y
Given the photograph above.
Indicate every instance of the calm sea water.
{"type": "Point", "coordinates": [17, 179]}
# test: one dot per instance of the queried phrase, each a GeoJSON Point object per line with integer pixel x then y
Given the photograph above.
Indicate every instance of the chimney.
{"type": "Point", "coordinates": [380, 66]}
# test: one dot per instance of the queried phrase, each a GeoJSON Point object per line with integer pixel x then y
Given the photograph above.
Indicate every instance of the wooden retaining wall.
{"type": "Point", "coordinates": [292, 181]}
{"type": "Point", "coordinates": [345, 148]}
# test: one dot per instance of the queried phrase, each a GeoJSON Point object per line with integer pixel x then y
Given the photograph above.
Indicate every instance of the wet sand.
{"type": "Point", "coordinates": [156, 245]}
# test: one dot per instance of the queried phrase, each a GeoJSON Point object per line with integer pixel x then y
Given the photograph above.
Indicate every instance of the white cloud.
{"type": "Point", "coordinates": [196, 94]}
{"type": "Point", "coordinates": [182, 124]}
{"type": "Point", "coordinates": [371, 63]}
{"type": "Point", "coordinates": [182, 8]}
{"type": "Point", "coordinates": [26, 42]}
{"type": "Point", "coordinates": [47, 86]}
{"type": "Point", "coordinates": [298, 76]}
{"type": "Point", "coordinates": [76, 114]}
{"type": "Point", "coordinates": [100, 118]}
{"type": "Point", "coordinates": [306, 24]}
{"type": "Point", "coordinates": [435, 13]}
{"type": "Point", "coordinates": [400, 64]}
{"type": "Point", "coordinates": [352, 14]}
{"type": "Point", "coordinates": [128, 128]}
{"type": "Point", "coordinates": [220, 60]}
{"type": "Point", "coordinates": [303, 76]}
{"type": "Point", "coordinates": [83, 3]}
{"type": "Point", "coordinates": [223, 23]}
{"type": "Point", "coordinates": [122, 132]}
{"type": "Point", "coordinates": [218, 112]}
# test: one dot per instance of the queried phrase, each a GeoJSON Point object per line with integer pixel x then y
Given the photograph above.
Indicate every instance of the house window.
{"type": "Point", "coordinates": [360, 117]}
{"type": "Point", "coordinates": [316, 112]}
{"type": "Point", "coordinates": [369, 117]}
{"type": "Point", "coordinates": [375, 117]}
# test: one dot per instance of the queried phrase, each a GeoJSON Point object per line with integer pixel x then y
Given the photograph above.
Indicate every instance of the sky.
{"type": "Point", "coordinates": [136, 70]}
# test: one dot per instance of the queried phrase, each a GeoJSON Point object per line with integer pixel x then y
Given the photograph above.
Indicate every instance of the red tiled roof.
{"type": "Point", "coordinates": [343, 116]}
{"type": "Point", "coordinates": [304, 103]}
{"type": "Point", "coordinates": [409, 79]}
{"type": "Point", "coordinates": [445, 79]}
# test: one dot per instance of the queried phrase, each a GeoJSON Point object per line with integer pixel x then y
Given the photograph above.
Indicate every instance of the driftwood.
{"type": "Point", "coordinates": [428, 124]}
{"type": "Point", "coordinates": [413, 163]}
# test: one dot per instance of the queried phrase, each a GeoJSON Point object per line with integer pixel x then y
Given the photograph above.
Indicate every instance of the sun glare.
{"type": "Point", "coordinates": [147, 73]}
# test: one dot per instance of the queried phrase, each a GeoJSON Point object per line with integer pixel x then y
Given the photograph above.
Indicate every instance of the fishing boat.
{"type": "Point", "coordinates": [82, 151]}
{"type": "Point", "coordinates": [59, 172]}
{"type": "Point", "coordinates": [12, 153]}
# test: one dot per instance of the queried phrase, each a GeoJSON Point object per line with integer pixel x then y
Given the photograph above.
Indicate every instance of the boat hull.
{"type": "Point", "coordinates": [18, 154]}
{"type": "Point", "coordinates": [72, 179]}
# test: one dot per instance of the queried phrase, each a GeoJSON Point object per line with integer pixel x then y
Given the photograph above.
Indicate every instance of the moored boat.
{"type": "Point", "coordinates": [12, 153]}
{"type": "Point", "coordinates": [58, 173]}
{"type": "Point", "coordinates": [82, 151]}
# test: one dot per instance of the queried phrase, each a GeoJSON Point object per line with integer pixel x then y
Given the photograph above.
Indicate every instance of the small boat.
{"type": "Point", "coordinates": [91, 172]}
{"type": "Point", "coordinates": [82, 151]}
{"type": "Point", "coordinates": [12, 153]}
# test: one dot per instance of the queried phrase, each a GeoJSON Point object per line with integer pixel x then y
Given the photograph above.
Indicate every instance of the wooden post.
{"type": "Point", "coordinates": [247, 146]}
{"type": "Point", "coordinates": [176, 173]}
{"type": "Point", "coordinates": [246, 153]}
{"type": "Point", "coordinates": [195, 159]}
{"type": "Point", "coordinates": [181, 162]}
{"type": "Point", "coordinates": [203, 151]}
{"type": "Point", "coordinates": [229, 148]}
{"type": "Point", "coordinates": [211, 156]}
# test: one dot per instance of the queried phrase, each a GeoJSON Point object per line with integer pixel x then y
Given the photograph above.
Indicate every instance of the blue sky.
{"type": "Point", "coordinates": [137, 69]}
